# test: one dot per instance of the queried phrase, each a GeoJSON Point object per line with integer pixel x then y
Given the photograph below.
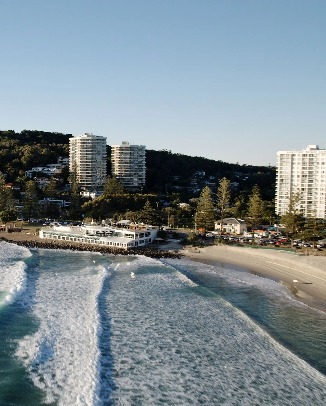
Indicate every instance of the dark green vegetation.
{"type": "Point", "coordinates": [171, 179]}
{"type": "Point", "coordinates": [22, 151]}
{"type": "Point", "coordinates": [181, 191]}
{"type": "Point", "coordinates": [166, 172]}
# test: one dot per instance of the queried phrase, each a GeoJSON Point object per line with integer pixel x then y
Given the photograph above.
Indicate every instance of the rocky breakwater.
{"type": "Point", "coordinates": [148, 251]}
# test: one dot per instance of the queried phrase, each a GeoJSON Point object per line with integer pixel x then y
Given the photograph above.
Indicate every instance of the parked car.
{"type": "Point", "coordinates": [297, 243]}
{"type": "Point", "coordinates": [321, 243]}
{"type": "Point", "coordinates": [284, 240]}
{"type": "Point", "coordinates": [31, 220]}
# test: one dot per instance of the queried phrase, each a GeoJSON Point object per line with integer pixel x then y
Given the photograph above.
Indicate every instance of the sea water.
{"type": "Point", "coordinates": [81, 328]}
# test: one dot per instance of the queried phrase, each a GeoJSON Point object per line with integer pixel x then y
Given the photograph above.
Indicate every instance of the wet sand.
{"type": "Point", "coordinates": [304, 275]}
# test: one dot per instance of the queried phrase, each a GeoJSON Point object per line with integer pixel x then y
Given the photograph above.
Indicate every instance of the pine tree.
{"type": "Point", "coordinates": [148, 214]}
{"type": "Point", "coordinates": [255, 205]}
{"type": "Point", "coordinates": [312, 228]}
{"type": "Point", "coordinates": [7, 210]}
{"type": "Point", "coordinates": [75, 198]}
{"type": "Point", "coordinates": [255, 208]}
{"type": "Point", "coordinates": [292, 220]}
{"type": "Point", "coordinates": [205, 216]}
{"type": "Point", "coordinates": [223, 197]}
{"type": "Point", "coordinates": [6, 197]}
{"type": "Point", "coordinates": [240, 207]}
{"type": "Point", "coordinates": [30, 200]}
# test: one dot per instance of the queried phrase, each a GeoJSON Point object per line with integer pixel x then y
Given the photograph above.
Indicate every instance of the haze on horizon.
{"type": "Point", "coordinates": [232, 81]}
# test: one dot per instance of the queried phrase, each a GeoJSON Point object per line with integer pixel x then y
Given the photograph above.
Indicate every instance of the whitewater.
{"type": "Point", "coordinates": [80, 328]}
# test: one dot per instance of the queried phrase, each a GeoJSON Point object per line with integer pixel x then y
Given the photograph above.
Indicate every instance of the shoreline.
{"type": "Point", "coordinates": [304, 276]}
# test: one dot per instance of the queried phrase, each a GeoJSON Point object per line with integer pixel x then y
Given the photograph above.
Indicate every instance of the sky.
{"type": "Point", "coordinates": [229, 80]}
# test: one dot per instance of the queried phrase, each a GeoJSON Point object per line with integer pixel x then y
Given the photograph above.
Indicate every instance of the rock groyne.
{"type": "Point", "coordinates": [148, 251]}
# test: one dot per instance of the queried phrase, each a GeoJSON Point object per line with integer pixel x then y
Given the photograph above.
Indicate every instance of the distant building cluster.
{"type": "Point", "coordinates": [298, 173]}
{"type": "Point", "coordinates": [49, 169]}
{"type": "Point", "coordinates": [88, 159]}
{"type": "Point", "coordinates": [302, 173]}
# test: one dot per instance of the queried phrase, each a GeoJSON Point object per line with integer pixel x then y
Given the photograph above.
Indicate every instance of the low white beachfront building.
{"type": "Point", "coordinates": [114, 237]}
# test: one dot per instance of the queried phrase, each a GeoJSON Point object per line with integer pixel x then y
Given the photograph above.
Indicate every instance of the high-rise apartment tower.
{"type": "Point", "coordinates": [129, 165]}
{"type": "Point", "coordinates": [302, 172]}
{"type": "Point", "coordinates": [87, 156]}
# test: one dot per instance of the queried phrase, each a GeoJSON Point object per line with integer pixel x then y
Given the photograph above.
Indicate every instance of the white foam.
{"type": "Point", "coordinates": [12, 271]}
{"type": "Point", "coordinates": [13, 251]}
{"type": "Point", "coordinates": [173, 345]}
{"type": "Point", "coordinates": [234, 277]}
{"type": "Point", "coordinates": [167, 343]}
{"type": "Point", "coordinates": [184, 279]}
{"type": "Point", "coordinates": [63, 355]}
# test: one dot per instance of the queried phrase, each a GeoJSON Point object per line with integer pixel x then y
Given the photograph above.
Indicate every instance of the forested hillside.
{"type": "Point", "coordinates": [22, 151]}
{"type": "Point", "coordinates": [166, 171]}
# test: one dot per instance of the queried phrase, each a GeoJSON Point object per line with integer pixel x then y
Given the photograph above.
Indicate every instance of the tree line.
{"type": "Point", "coordinates": [160, 202]}
{"type": "Point", "coordinates": [20, 152]}
{"type": "Point", "coordinates": [116, 204]}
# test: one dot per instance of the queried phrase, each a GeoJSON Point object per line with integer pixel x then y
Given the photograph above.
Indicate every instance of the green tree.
{"type": "Point", "coordinates": [8, 215]}
{"type": "Point", "coordinates": [113, 187]}
{"type": "Point", "coordinates": [75, 210]}
{"type": "Point", "coordinates": [312, 229]}
{"type": "Point", "coordinates": [51, 190]}
{"type": "Point", "coordinates": [205, 216]}
{"type": "Point", "coordinates": [148, 215]}
{"type": "Point", "coordinates": [269, 211]}
{"type": "Point", "coordinates": [6, 196]}
{"type": "Point", "coordinates": [50, 209]}
{"type": "Point", "coordinates": [30, 200]}
{"type": "Point", "coordinates": [240, 207]}
{"type": "Point", "coordinates": [255, 208]}
{"type": "Point", "coordinates": [292, 220]}
{"type": "Point", "coordinates": [171, 217]}
{"type": "Point", "coordinates": [223, 198]}
{"type": "Point", "coordinates": [133, 216]}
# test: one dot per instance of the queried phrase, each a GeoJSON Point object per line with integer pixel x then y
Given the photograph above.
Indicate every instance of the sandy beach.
{"type": "Point", "coordinates": [304, 275]}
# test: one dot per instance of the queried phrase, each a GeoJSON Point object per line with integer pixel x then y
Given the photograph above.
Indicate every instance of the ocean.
{"type": "Point", "coordinates": [79, 328]}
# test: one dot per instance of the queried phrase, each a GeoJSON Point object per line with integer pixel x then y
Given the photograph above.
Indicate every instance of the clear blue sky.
{"type": "Point", "coordinates": [230, 80]}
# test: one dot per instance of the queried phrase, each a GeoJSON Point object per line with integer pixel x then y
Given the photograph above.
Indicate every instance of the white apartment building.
{"type": "Point", "coordinates": [302, 172]}
{"type": "Point", "coordinates": [129, 165]}
{"type": "Point", "coordinates": [87, 156]}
